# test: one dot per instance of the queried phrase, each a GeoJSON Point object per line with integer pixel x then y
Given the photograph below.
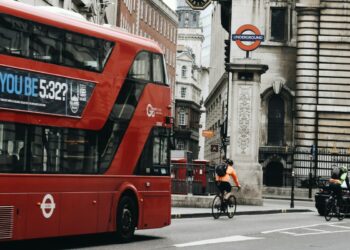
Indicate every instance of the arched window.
{"type": "Point", "coordinates": [276, 121]}
{"type": "Point", "coordinates": [184, 71]}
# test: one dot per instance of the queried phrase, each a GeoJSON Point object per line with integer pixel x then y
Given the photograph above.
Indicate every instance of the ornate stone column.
{"type": "Point", "coordinates": [244, 120]}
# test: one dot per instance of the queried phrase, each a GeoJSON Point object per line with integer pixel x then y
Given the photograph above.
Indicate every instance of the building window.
{"type": "Point", "coordinates": [141, 10]}
{"type": "Point", "coordinates": [161, 25]}
{"type": "Point", "coordinates": [182, 118]}
{"type": "Point", "coordinates": [146, 13]}
{"type": "Point", "coordinates": [180, 145]}
{"type": "Point", "coordinates": [184, 72]}
{"type": "Point", "coordinates": [149, 16]}
{"type": "Point", "coordinates": [276, 121]}
{"type": "Point", "coordinates": [279, 24]}
{"type": "Point", "coordinates": [183, 92]}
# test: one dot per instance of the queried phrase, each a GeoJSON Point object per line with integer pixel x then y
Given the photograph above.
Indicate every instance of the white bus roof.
{"type": "Point", "coordinates": [63, 12]}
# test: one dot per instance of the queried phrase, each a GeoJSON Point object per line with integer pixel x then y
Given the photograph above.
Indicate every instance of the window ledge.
{"type": "Point", "coordinates": [291, 43]}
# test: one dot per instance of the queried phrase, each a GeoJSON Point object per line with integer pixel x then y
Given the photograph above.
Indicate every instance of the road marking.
{"type": "Point", "coordinates": [217, 240]}
{"type": "Point", "coordinates": [324, 232]}
{"type": "Point", "coordinates": [315, 231]}
{"type": "Point", "coordinates": [291, 228]}
{"type": "Point", "coordinates": [339, 226]}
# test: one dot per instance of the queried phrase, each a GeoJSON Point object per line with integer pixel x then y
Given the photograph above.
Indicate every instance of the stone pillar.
{"type": "Point", "coordinates": [307, 74]}
{"type": "Point", "coordinates": [244, 113]}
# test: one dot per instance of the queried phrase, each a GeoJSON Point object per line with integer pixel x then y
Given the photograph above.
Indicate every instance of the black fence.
{"type": "Point", "coordinates": [312, 166]}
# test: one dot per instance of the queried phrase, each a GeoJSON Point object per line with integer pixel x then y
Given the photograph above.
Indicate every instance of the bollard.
{"type": "Point", "coordinates": [292, 193]}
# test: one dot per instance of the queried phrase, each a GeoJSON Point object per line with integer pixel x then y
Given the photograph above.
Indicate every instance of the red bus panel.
{"type": "Point", "coordinates": [84, 142]}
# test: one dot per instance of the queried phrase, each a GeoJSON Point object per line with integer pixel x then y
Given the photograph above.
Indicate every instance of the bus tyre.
{"type": "Point", "coordinates": [126, 219]}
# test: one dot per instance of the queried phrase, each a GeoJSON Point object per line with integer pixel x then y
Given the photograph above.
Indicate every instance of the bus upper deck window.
{"type": "Point", "coordinates": [158, 68]}
{"type": "Point", "coordinates": [14, 36]}
{"type": "Point", "coordinates": [141, 69]}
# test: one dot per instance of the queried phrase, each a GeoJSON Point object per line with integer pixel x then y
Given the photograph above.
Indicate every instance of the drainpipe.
{"type": "Point", "coordinates": [317, 101]}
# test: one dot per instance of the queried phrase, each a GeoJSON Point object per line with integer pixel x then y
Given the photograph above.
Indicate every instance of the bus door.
{"type": "Point", "coordinates": [79, 201]}
{"type": "Point", "coordinates": [66, 152]}
{"type": "Point", "coordinates": [155, 163]}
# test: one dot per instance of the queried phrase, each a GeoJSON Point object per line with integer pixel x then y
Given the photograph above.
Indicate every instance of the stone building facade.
{"type": "Point", "coordinates": [152, 19]}
{"type": "Point", "coordinates": [323, 74]}
{"type": "Point", "coordinates": [216, 102]}
{"type": "Point", "coordinates": [188, 80]}
{"type": "Point", "coordinates": [304, 94]}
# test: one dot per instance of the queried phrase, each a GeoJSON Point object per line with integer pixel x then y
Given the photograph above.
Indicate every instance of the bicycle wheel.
{"type": "Point", "coordinates": [329, 209]}
{"type": "Point", "coordinates": [216, 207]}
{"type": "Point", "coordinates": [341, 216]}
{"type": "Point", "coordinates": [231, 206]}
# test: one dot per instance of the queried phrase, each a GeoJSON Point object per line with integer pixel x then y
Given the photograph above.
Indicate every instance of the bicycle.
{"type": "Point", "coordinates": [333, 209]}
{"type": "Point", "coordinates": [221, 205]}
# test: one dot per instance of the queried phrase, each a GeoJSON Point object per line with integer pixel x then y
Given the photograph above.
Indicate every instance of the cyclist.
{"type": "Point", "coordinates": [223, 182]}
{"type": "Point", "coordinates": [339, 175]}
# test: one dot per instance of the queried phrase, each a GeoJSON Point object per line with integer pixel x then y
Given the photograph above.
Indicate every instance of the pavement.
{"type": "Point", "coordinates": [270, 206]}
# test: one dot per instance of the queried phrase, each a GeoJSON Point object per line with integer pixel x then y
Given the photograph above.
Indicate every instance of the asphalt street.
{"type": "Point", "coordinates": [286, 231]}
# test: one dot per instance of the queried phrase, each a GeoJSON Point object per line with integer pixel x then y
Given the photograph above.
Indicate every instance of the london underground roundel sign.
{"type": "Point", "coordinates": [198, 4]}
{"type": "Point", "coordinates": [241, 36]}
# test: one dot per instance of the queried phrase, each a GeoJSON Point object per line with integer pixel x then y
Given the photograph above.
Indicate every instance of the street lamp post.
{"type": "Point", "coordinates": [293, 180]}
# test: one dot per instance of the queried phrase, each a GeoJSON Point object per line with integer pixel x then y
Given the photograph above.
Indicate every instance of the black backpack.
{"type": "Point", "coordinates": [220, 170]}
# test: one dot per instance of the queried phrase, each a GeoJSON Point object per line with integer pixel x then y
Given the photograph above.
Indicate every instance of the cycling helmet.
{"type": "Point", "coordinates": [344, 168]}
{"type": "Point", "coordinates": [229, 162]}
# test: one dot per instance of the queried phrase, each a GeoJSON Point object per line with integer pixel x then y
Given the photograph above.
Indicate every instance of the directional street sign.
{"type": "Point", "coordinates": [198, 4]}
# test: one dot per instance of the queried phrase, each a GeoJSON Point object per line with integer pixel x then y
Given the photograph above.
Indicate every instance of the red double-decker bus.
{"type": "Point", "coordinates": [84, 128]}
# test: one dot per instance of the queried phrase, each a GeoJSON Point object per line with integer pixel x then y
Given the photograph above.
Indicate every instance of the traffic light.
{"type": "Point", "coordinates": [227, 50]}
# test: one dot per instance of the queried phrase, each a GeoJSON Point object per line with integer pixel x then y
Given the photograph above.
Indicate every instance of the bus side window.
{"type": "Point", "coordinates": [11, 140]}
{"type": "Point", "coordinates": [155, 158]}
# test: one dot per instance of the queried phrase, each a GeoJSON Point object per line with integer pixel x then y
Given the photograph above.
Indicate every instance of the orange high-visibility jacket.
{"type": "Point", "coordinates": [229, 172]}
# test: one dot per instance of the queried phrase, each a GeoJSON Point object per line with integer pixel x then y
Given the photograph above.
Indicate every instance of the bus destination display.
{"type": "Point", "coordinates": [41, 93]}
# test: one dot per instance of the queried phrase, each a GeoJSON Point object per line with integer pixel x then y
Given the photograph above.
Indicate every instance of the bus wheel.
{"type": "Point", "coordinates": [126, 219]}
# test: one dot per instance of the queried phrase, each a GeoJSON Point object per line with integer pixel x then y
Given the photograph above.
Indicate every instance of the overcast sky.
{"type": "Point", "coordinates": [171, 4]}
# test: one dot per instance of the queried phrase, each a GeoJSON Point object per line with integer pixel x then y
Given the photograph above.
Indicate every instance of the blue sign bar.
{"type": "Point", "coordinates": [248, 38]}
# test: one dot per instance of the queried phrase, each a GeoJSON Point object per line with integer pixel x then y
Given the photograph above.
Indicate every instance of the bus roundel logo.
{"type": "Point", "coordinates": [256, 38]}
{"type": "Point", "coordinates": [47, 206]}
